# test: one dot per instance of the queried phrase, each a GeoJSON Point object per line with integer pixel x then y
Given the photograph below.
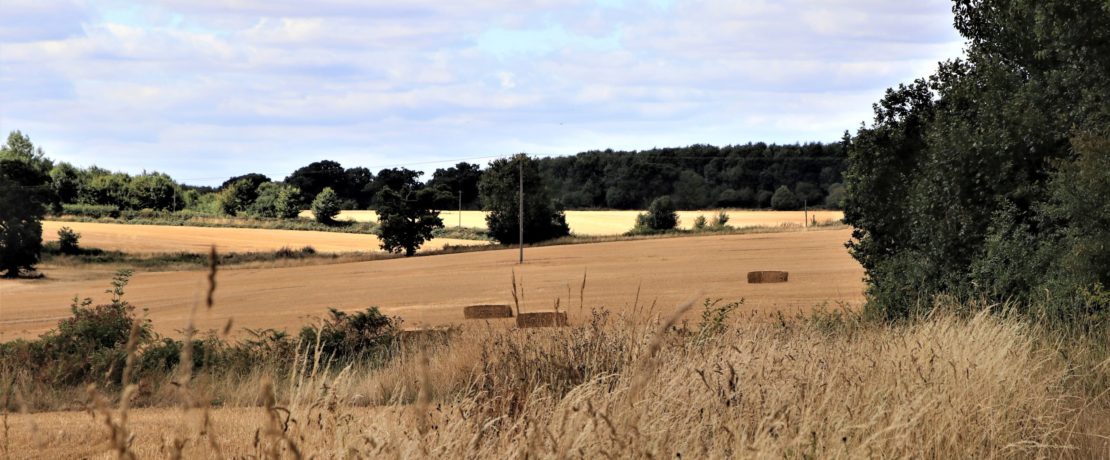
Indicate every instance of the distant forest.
{"type": "Point", "coordinates": [754, 175]}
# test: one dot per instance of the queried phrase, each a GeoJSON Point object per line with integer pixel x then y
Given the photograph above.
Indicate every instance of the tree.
{"type": "Point", "coordinates": [255, 179]}
{"type": "Point", "coordinates": [67, 181]}
{"type": "Point", "coordinates": [315, 177]}
{"type": "Point", "coordinates": [660, 216]}
{"type": "Point", "coordinates": [276, 200]}
{"type": "Point", "coordinates": [25, 192]}
{"type": "Point", "coordinates": [835, 199]}
{"type": "Point", "coordinates": [690, 191]}
{"type": "Point", "coordinates": [462, 178]}
{"type": "Point", "coordinates": [152, 191]}
{"type": "Point", "coordinates": [357, 187]}
{"type": "Point", "coordinates": [543, 220]}
{"type": "Point", "coordinates": [784, 200]}
{"type": "Point", "coordinates": [69, 241]}
{"type": "Point", "coordinates": [236, 198]}
{"type": "Point", "coordinates": [326, 206]}
{"type": "Point", "coordinates": [406, 217]}
{"type": "Point", "coordinates": [972, 183]}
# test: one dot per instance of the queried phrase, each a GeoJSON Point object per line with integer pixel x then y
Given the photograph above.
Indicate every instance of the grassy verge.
{"type": "Point", "coordinates": [52, 255]}
{"type": "Point", "coordinates": [636, 386]}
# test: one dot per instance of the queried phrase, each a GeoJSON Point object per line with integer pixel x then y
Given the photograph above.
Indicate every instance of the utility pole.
{"type": "Point", "coordinates": [805, 207]}
{"type": "Point", "coordinates": [520, 212]}
{"type": "Point", "coordinates": [460, 207]}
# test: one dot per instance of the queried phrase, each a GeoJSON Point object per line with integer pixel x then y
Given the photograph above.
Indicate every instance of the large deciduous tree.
{"type": "Point", "coordinates": [406, 216]}
{"type": "Point", "coordinates": [25, 192]}
{"type": "Point", "coordinates": [499, 188]}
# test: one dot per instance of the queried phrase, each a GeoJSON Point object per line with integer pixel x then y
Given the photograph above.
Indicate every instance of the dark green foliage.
{"type": "Point", "coordinates": [68, 241]}
{"type": "Point", "coordinates": [543, 219]}
{"type": "Point", "coordinates": [660, 216]}
{"type": "Point", "coordinates": [696, 176]}
{"type": "Point", "coordinates": [276, 200]}
{"type": "Point", "coordinates": [785, 200]}
{"type": "Point", "coordinates": [326, 206]}
{"type": "Point", "coordinates": [836, 197]}
{"type": "Point", "coordinates": [25, 194]}
{"type": "Point", "coordinates": [315, 177]}
{"type": "Point", "coordinates": [90, 345]}
{"type": "Point", "coordinates": [237, 198]}
{"type": "Point", "coordinates": [988, 179]}
{"type": "Point", "coordinates": [346, 336]}
{"type": "Point", "coordinates": [406, 217]}
{"type": "Point", "coordinates": [462, 178]}
{"type": "Point", "coordinates": [95, 211]}
{"type": "Point", "coordinates": [254, 179]}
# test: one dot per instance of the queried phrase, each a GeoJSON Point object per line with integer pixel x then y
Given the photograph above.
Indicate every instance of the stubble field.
{"type": "Point", "coordinates": [169, 238]}
{"type": "Point", "coordinates": [431, 291]}
{"type": "Point", "coordinates": [605, 223]}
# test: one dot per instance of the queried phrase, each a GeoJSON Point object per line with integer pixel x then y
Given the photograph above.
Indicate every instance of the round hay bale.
{"type": "Point", "coordinates": [767, 276]}
{"type": "Point", "coordinates": [487, 311]}
{"type": "Point", "coordinates": [542, 319]}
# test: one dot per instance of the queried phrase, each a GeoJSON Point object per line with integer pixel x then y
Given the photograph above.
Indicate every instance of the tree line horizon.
{"type": "Point", "coordinates": [699, 176]}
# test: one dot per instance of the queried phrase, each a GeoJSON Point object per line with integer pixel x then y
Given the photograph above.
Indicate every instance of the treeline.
{"type": "Point", "coordinates": [990, 179]}
{"type": "Point", "coordinates": [701, 176]}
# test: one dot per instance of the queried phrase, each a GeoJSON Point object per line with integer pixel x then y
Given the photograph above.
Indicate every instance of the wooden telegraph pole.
{"type": "Point", "coordinates": [520, 211]}
{"type": "Point", "coordinates": [805, 206]}
{"type": "Point", "coordinates": [460, 207]}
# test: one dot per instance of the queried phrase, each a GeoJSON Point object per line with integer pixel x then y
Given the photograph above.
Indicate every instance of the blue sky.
{"type": "Point", "coordinates": [205, 89]}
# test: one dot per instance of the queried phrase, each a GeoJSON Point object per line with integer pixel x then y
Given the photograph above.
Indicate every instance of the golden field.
{"type": "Point", "coordinates": [428, 291]}
{"type": "Point", "coordinates": [628, 387]}
{"type": "Point", "coordinates": [170, 238]}
{"type": "Point", "coordinates": [605, 223]}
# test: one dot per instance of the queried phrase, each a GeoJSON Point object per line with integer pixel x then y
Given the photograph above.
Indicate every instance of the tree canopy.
{"type": "Point", "coordinates": [978, 181]}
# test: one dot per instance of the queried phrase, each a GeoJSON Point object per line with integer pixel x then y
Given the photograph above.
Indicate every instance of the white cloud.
{"type": "Point", "coordinates": [206, 88]}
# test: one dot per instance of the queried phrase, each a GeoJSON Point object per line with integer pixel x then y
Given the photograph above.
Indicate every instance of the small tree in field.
{"type": "Point", "coordinates": [660, 216]}
{"type": "Point", "coordinates": [68, 241]}
{"type": "Point", "coordinates": [406, 217]}
{"type": "Point", "coordinates": [326, 206]}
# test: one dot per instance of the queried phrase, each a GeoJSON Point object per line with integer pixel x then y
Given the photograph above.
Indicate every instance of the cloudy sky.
{"type": "Point", "coordinates": [206, 89]}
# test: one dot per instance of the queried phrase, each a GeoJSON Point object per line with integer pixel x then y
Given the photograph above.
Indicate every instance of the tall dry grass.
{"type": "Point", "coordinates": [627, 387]}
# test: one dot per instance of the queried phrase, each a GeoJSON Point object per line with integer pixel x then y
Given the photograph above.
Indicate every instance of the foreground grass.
{"type": "Point", "coordinates": [636, 386]}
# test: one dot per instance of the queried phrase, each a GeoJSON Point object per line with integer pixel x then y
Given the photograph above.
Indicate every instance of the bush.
{"type": "Point", "coordinates": [721, 221]}
{"type": "Point", "coordinates": [784, 200]}
{"type": "Point", "coordinates": [346, 336]}
{"type": "Point", "coordinates": [700, 222]}
{"type": "Point", "coordinates": [326, 206]}
{"type": "Point", "coordinates": [543, 218]}
{"type": "Point", "coordinates": [660, 216]}
{"type": "Point", "coordinates": [68, 241]}
{"type": "Point", "coordinates": [94, 211]}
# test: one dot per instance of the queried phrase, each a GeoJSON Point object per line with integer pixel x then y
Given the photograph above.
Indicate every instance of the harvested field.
{"type": "Point", "coordinates": [166, 238]}
{"type": "Point", "coordinates": [429, 291]}
{"type": "Point", "coordinates": [603, 223]}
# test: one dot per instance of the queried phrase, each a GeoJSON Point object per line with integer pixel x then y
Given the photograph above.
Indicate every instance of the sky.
{"type": "Point", "coordinates": [207, 89]}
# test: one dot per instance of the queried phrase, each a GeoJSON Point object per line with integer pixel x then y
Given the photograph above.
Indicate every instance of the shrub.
{"type": "Point", "coordinates": [68, 241]}
{"type": "Point", "coordinates": [700, 222]}
{"type": "Point", "coordinates": [95, 211]}
{"type": "Point", "coordinates": [721, 221]}
{"type": "Point", "coordinates": [326, 206]}
{"type": "Point", "coordinates": [345, 336]}
{"type": "Point", "coordinates": [660, 216]}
